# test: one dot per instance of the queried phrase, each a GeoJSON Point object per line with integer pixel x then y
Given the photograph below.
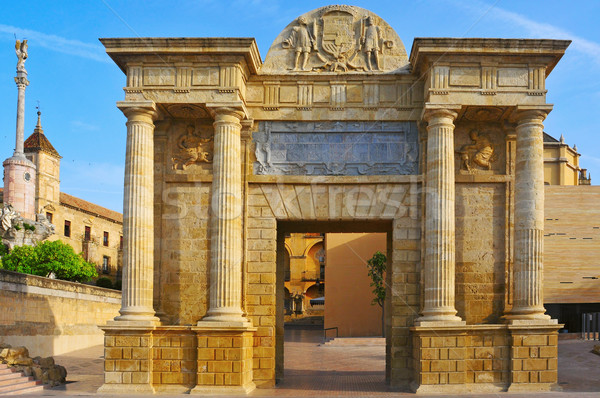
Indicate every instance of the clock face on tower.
{"type": "Point", "coordinates": [27, 177]}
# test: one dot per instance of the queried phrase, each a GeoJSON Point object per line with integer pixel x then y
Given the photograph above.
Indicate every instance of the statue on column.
{"type": "Point", "coordinates": [21, 51]}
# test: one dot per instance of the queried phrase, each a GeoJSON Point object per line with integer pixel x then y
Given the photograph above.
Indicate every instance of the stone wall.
{"type": "Point", "coordinates": [349, 305]}
{"type": "Point", "coordinates": [52, 317]}
{"type": "Point", "coordinates": [480, 252]}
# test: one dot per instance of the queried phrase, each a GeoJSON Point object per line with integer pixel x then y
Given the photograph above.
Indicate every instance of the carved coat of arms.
{"type": "Point", "coordinates": [337, 41]}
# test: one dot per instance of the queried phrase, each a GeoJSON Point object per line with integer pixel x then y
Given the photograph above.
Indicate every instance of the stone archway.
{"type": "Point", "coordinates": [337, 126]}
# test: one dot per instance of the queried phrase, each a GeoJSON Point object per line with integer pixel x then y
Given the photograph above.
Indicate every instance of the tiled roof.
{"type": "Point", "coordinates": [549, 138]}
{"type": "Point", "coordinates": [91, 208]}
{"type": "Point", "coordinates": [39, 142]}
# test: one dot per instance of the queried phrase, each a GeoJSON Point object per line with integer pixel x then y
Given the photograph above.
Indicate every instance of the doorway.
{"type": "Point", "coordinates": [301, 355]}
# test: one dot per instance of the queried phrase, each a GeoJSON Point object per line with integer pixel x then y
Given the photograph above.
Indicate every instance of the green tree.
{"type": "Point", "coordinates": [21, 259]}
{"type": "Point", "coordinates": [377, 265]}
{"type": "Point", "coordinates": [48, 258]}
{"type": "Point", "coordinates": [104, 282]}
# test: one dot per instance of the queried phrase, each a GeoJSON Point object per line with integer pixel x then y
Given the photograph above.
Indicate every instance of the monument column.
{"type": "Point", "coordinates": [439, 218]}
{"type": "Point", "coordinates": [138, 214]}
{"type": "Point", "coordinates": [528, 303]}
{"type": "Point", "coordinates": [20, 172]}
{"type": "Point", "coordinates": [226, 221]}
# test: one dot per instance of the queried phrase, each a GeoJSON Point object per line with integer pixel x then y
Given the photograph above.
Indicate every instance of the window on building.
{"type": "Point", "coordinates": [88, 233]}
{"type": "Point", "coordinates": [49, 217]}
{"type": "Point", "coordinates": [105, 265]}
{"type": "Point", "coordinates": [121, 243]}
{"type": "Point", "coordinates": [105, 239]}
{"type": "Point", "coordinates": [67, 228]}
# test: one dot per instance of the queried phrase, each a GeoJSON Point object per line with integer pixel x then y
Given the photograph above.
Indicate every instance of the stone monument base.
{"type": "Point", "coordinates": [178, 359]}
{"type": "Point", "coordinates": [485, 358]}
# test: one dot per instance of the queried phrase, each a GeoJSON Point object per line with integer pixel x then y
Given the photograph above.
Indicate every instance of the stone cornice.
{"type": "Point", "coordinates": [550, 51]}
{"type": "Point", "coordinates": [119, 48]}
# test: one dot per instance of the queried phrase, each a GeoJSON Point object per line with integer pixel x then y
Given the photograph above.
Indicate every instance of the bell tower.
{"type": "Point", "coordinates": [47, 163]}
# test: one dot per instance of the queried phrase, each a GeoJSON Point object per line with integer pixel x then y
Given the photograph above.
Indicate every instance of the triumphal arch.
{"type": "Point", "coordinates": [339, 129]}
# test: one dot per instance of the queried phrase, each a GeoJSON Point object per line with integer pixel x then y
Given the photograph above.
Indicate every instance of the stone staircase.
{"type": "Point", "coordinates": [355, 341]}
{"type": "Point", "coordinates": [14, 383]}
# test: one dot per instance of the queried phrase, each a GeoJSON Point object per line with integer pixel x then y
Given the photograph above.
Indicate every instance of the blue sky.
{"type": "Point", "coordinates": [77, 84]}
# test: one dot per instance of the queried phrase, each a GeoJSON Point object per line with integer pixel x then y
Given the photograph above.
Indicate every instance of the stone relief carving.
{"type": "Point", "coordinates": [479, 154]}
{"type": "Point", "coordinates": [192, 149]}
{"type": "Point", "coordinates": [370, 43]}
{"type": "Point", "coordinates": [302, 41]}
{"type": "Point", "coordinates": [336, 148]}
{"type": "Point", "coordinates": [336, 39]}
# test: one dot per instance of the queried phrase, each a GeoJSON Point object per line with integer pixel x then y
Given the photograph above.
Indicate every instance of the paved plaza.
{"type": "Point", "coordinates": [314, 370]}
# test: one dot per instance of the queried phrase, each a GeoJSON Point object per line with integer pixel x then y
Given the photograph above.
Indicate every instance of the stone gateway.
{"type": "Point", "coordinates": [338, 130]}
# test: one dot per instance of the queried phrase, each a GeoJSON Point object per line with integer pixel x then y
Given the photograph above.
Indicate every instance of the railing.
{"type": "Point", "coordinates": [590, 325]}
{"type": "Point", "coordinates": [313, 276]}
{"type": "Point", "coordinates": [325, 332]}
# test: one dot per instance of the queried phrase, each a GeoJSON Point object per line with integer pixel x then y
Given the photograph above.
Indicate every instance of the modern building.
{"type": "Point", "coordinates": [571, 236]}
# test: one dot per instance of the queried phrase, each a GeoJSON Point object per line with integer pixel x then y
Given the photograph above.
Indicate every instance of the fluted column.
{"type": "Point", "coordinates": [439, 218]}
{"type": "Point", "coordinates": [226, 221]}
{"type": "Point", "coordinates": [138, 214]}
{"type": "Point", "coordinates": [528, 302]}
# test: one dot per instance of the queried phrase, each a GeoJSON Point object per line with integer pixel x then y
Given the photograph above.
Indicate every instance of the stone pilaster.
{"type": "Point", "coordinates": [528, 302]}
{"type": "Point", "coordinates": [138, 215]}
{"type": "Point", "coordinates": [226, 221]}
{"type": "Point", "coordinates": [439, 218]}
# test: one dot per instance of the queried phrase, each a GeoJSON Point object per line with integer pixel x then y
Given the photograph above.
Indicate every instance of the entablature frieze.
{"type": "Point", "coordinates": [271, 97]}
{"type": "Point", "coordinates": [485, 84]}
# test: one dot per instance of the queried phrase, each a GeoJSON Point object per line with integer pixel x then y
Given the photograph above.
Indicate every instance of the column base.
{"type": "Point", "coordinates": [225, 359]}
{"type": "Point", "coordinates": [530, 322]}
{"type": "Point", "coordinates": [218, 324]}
{"type": "Point", "coordinates": [223, 390]}
{"type": "Point", "coordinates": [128, 389]}
{"type": "Point", "coordinates": [134, 322]}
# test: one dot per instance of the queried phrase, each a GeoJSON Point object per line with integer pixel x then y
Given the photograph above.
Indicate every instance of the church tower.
{"type": "Point", "coordinates": [46, 159]}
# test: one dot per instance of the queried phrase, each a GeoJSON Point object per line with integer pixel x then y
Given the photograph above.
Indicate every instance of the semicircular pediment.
{"type": "Point", "coordinates": [337, 39]}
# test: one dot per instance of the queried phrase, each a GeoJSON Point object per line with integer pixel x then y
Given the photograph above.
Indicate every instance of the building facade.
{"type": "Point", "coordinates": [339, 130]}
{"type": "Point", "coordinates": [92, 230]}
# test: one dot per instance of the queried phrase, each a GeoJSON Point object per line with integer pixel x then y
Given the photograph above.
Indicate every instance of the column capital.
{"type": "Point", "coordinates": [21, 81]}
{"type": "Point", "coordinates": [530, 113]}
{"type": "Point", "coordinates": [431, 111]}
{"type": "Point", "coordinates": [143, 111]}
{"type": "Point", "coordinates": [225, 113]}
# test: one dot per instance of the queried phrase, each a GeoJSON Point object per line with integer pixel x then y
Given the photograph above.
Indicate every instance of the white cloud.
{"type": "Point", "coordinates": [59, 44]}
{"type": "Point", "coordinates": [533, 28]}
{"type": "Point", "coordinates": [78, 126]}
